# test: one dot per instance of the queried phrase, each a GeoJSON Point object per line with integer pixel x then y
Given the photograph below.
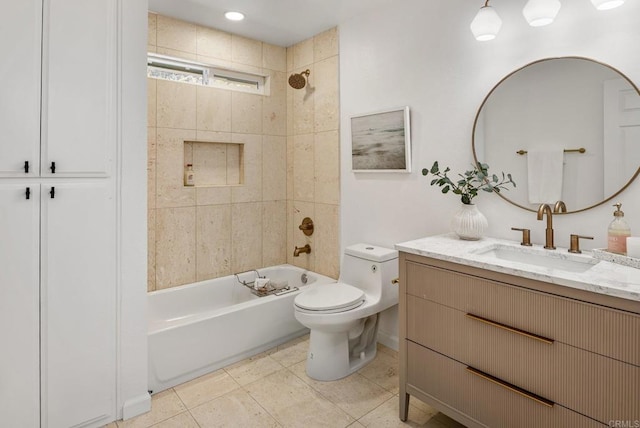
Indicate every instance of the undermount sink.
{"type": "Point", "coordinates": [549, 259]}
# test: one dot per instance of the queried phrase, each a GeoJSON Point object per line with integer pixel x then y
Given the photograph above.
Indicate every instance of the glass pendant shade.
{"type": "Point", "coordinates": [486, 25]}
{"type": "Point", "coordinates": [606, 4]}
{"type": "Point", "coordinates": [541, 12]}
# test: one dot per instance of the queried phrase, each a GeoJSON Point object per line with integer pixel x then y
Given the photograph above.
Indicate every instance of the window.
{"type": "Point", "coordinates": [180, 70]}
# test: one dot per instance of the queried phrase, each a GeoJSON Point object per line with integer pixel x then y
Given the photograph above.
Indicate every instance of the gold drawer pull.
{"type": "Point", "coordinates": [512, 329]}
{"type": "Point", "coordinates": [511, 387]}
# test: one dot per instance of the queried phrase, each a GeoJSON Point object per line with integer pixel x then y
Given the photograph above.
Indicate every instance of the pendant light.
{"type": "Point", "coordinates": [541, 12]}
{"type": "Point", "coordinates": [486, 24]}
{"type": "Point", "coordinates": [606, 4]}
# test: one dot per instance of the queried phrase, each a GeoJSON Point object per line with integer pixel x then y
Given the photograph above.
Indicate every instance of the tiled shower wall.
{"type": "Point", "coordinates": [313, 159]}
{"type": "Point", "coordinates": [207, 232]}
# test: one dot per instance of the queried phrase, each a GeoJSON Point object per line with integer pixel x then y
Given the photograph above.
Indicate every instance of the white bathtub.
{"type": "Point", "coordinates": [198, 328]}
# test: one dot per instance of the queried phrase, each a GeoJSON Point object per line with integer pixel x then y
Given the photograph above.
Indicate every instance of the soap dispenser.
{"type": "Point", "coordinates": [618, 232]}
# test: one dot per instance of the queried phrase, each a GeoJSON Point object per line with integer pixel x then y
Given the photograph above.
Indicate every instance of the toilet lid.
{"type": "Point", "coordinates": [330, 297]}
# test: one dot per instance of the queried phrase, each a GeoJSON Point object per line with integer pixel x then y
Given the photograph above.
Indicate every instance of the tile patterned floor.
{"type": "Point", "coordinates": [272, 390]}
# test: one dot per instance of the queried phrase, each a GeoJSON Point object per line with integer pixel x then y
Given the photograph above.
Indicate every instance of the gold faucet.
{"type": "Point", "coordinates": [560, 207]}
{"type": "Point", "coordinates": [305, 249]}
{"type": "Point", "coordinates": [542, 210]}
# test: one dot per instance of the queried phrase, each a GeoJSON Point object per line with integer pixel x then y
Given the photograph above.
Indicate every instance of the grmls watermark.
{"type": "Point", "coordinates": [624, 424]}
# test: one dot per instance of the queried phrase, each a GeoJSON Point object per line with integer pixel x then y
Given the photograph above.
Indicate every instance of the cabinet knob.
{"type": "Point", "coordinates": [28, 193]}
{"type": "Point", "coordinates": [52, 192]}
{"type": "Point", "coordinates": [26, 167]}
{"type": "Point", "coordinates": [53, 167]}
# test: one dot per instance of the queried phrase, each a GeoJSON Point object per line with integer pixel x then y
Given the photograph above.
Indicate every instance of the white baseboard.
{"type": "Point", "coordinates": [388, 340]}
{"type": "Point", "coordinates": [136, 406]}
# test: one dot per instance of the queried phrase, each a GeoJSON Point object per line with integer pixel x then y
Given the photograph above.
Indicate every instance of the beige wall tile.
{"type": "Point", "coordinates": [303, 105]}
{"type": "Point", "coordinates": [235, 164]}
{"type": "Point", "coordinates": [217, 195]}
{"type": "Point", "coordinates": [246, 113]}
{"type": "Point", "coordinates": [152, 27]}
{"type": "Point", "coordinates": [188, 153]}
{"type": "Point", "coordinates": [177, 53]}
{"type": "Point", "coordinates": [152, 157]}
{"type": "Point", "coordinates": [303, 53]}
{"type": "Point", "coordinates": [151, 102]}
{"type": "Point", "coordinates": [246, 236]}
{"type": "Point", "coordinates": [251, 189]}
{"type": "Point", "coordinates": [151, 48]}
{"type": "Point", "coordinates": [246, 51]}
{"type": "Point", "coordinates": [325, 44]}
{"type": "Point", "coordinates": [210, 164]}
{"type": "Point", "coordinates": [213, 136]}
{"type": "Point", "coordinates": [175, 246]}
{"type": "Point", "coordinates": [274, 57]}
{"type": "Point", "coordinates": [303, 168]}
{"type": "Point", "coordinates": [176, 105]}
{"type": "Point", "coordinates": [236, 409]}
{"type": "Point", "coordinates": [274, 168]}
{"type": "Point", "coordinates": [213, 236]}
{"type": "Point", "coordinates": [327, 257]}
{"type": "Point", "coordinates": [213, 43]}
{"type": "Point", "coordinates": [213, 109]}
{"type": "Point", "coordinates": [274, 106]}
{"type": "Point", "coordinates": [289, 58]}
{"type": "Point", "coordinates": [170, 190]}
{"type": "Point", "coordinates": [151, 250]}
{"type": "Point", "coordinates": [290, 118]}
{"type": "Point", "coordinates": [290, 162]}
{"type": "Point", "coordinates": [176, 34]}
{"type": "Point", "coordinates": [326, 96]}
{"type": "Point", "coordinates": [300, 211]}
{"type": "Point", "coordinates": [327, 167]}
{"type": "Point", "coordinates": [290, 239]}
{"type": "Point", "coordinates": [274, 233]}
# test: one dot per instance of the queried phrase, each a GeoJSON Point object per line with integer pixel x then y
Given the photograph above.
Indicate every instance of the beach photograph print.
{"type": "Point", "coordinates": [380, 142]}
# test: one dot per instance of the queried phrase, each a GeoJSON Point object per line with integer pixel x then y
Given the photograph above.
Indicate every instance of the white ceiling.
{"type": "Point", "coordinates": [279, 22]}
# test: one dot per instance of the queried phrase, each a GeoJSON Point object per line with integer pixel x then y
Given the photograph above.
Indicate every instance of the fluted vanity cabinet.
{"type": "Point", "coordinates": [494, 349]}
{"type": "Point", "coordinates": [58, 213]}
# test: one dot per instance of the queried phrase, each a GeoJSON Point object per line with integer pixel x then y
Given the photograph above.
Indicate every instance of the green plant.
{"type": "Point", "coordinates": [470, 182]}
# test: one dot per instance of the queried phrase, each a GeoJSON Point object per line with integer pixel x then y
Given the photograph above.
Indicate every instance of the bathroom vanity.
{"type": "Point", "coordinates": [494, 334]}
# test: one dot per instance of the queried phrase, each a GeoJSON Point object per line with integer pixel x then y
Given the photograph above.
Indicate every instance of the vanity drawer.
{"type": "Point", "coordinates": [594, 385]}
{"type": "Point", "coordinates": [491, 404]}
{"type": "Point", "coordinates": [595, 328]}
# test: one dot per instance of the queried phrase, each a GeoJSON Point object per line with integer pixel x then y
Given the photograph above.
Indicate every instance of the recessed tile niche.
{"type": "Point", "coordinates": [215, 164]}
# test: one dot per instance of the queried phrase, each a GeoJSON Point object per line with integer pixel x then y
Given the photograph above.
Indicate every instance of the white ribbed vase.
{"type": "Point", "coordinates": [469, 223]}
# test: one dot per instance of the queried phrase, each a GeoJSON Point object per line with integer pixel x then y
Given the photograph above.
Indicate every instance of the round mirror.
{"type": "Point", "coordinates": [565, 128]}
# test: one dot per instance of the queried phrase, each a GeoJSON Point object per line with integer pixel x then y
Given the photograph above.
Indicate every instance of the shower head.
{"type": "Point", "coordinates": [298, 81]}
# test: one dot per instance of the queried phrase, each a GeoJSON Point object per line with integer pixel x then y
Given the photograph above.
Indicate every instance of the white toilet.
{"type": "Point", "coordinates": [343, 317]}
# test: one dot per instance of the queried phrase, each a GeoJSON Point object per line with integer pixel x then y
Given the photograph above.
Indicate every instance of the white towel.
{"type": "Point", "coordinates": [545, 175]}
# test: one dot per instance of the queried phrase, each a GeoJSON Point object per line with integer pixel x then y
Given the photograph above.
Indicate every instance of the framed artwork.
{"type": "Point", "coordinates": [381, 141]}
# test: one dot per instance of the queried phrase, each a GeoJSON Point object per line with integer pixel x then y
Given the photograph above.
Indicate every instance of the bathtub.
{"type": "Point", "coordinates": [198, 328]}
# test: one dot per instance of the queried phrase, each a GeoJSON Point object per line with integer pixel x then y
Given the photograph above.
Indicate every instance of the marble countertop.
{"type": "Point", "coordinates": [603, 277]}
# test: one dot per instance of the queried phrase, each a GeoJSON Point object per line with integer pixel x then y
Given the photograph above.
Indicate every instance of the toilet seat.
{"type": "Point", "coordinates": [330, 298]}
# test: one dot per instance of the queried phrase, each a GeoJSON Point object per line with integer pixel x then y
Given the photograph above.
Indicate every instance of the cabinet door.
{"type": "Point", "coordinates": [20, 35]}
{"type": "Point", "coordinates": [79, 87]}
{"type": "Point", "coordinates": [19, 305]}
{"type": "Point", "coordinates": [78, 304]}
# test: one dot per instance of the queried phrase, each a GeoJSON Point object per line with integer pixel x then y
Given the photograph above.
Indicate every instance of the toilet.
{"type": "Point", "coordinates": [343, 317]}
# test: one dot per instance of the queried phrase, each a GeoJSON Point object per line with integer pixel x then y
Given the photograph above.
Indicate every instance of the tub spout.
{"type": "Point", "coordinates": [305, 249]}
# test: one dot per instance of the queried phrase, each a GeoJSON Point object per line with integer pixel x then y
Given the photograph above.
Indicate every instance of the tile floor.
{"type": "Point", "coordinates": [272, 390]}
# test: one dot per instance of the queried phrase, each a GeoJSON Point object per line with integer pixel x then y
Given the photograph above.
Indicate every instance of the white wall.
{"type": "Point", "coordinates": [422, 54]}
{"type": "Point", "coordinates": [132, 396]}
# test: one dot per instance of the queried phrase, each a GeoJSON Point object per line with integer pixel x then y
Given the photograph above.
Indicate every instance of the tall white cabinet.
{"type": "Point", "coordinates": [58, 273]}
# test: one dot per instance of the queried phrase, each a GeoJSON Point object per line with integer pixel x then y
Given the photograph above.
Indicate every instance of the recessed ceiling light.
{"type": "Point", "coordinates": [234, 16]}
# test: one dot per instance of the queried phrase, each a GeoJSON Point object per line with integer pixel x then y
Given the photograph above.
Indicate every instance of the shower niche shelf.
{"type": "Point", "coordinates": [215, 164]}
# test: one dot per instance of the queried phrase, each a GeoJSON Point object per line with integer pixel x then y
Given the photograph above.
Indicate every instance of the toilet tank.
{"type": "Point", "coordinates": [371, 268]}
